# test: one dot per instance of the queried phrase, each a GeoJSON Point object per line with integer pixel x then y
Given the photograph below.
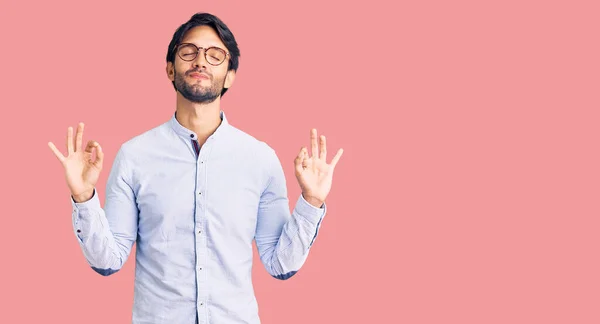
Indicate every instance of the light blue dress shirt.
{"type": "Point", "coordinates": [194, 213]}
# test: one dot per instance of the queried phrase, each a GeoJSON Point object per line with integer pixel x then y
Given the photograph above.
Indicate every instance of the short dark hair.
{"type": "Point", "coordinates": [206, 19]}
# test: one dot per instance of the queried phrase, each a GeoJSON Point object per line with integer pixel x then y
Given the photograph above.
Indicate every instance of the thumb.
{"type": "Point", "coordinates": [298, 162]}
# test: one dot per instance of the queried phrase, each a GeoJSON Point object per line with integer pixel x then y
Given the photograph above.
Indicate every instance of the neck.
{"type": "Point", "coordinates": [202, 119]}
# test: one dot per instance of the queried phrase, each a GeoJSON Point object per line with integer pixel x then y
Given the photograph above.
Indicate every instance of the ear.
{"type": "Point", "coordinates": [229, 78]}
{"type": "Point", "coordinates": [170, 71]}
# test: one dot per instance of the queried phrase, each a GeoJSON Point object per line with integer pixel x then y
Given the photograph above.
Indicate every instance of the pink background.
{"type": "Point", "coordinates": [469, 187]}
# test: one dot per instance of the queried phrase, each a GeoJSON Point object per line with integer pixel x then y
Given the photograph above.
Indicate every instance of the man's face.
{"type": "Point", "coordinates": [197, 80]}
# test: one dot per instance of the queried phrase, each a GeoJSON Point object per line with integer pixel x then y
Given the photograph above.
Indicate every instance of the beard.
{"type": "Point", "coordinates": [197, 93]}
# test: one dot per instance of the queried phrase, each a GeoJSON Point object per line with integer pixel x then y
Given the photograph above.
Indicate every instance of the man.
{"type": "Point", "coordinates": [194, 193]}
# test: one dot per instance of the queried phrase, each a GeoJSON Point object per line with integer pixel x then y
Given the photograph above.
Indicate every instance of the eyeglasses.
{"type": "Point", "coordinates": [213, 55]}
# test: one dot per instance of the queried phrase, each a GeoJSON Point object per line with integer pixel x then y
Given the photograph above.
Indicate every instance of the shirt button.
{"type": "Point", "coordinates": [192, 135]}
{"type": "Point", "coordinates": [78, 231]}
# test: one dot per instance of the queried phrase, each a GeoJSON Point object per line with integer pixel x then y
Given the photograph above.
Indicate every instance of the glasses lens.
{"type": "Point", "coordinates": [215, 55]}
{"type": "Point", "coordinates": [187, 52]}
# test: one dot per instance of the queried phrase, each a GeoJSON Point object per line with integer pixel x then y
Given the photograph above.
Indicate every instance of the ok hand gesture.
{"type": "Point", "coordinates": [314, 174]}
{"type": "Point", "coordinates": [81, 171]}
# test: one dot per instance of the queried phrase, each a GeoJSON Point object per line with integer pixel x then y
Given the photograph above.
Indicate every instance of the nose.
{"type": "Point", "coordinates": [200, 60]}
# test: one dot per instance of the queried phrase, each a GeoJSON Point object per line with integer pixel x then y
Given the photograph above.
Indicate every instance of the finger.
{"type": "Point", "coordinates": [298, 161]}
{"type": "Point", "coordinates": [337, 157]}
{"type": "Point", "coordinates": [313, 142]}
{"type": "Point", "coordinates": [90, 146]}
{"type": "Point", "coordinates": [70, 140]}
{"type": "Point", "coordinates": [58, 154]}
{"type": "Point", "coordinates": [99, 155]}
{"type": "Point", "coordinates": [323, 154]}
{"type": "Point", "coordinates": [306, 159]}
{"type": "Point", "coordinates": [79, 137]}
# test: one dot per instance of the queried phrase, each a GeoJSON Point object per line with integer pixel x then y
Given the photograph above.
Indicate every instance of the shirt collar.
{"type": "Point", "coordinates": [187, 133]}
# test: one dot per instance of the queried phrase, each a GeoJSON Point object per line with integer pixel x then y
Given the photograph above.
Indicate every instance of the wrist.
{"type": "Point", "coordinates": [313, 200]}
{"type": "Point", "coordinates": [83, 197]}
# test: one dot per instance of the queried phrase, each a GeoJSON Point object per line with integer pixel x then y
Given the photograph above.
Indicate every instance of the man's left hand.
{"type": "Point", "coordinates": [314, 174]}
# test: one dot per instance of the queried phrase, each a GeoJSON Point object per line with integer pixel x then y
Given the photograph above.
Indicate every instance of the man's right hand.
{"type": "Point", "coordinates": [81, 171]}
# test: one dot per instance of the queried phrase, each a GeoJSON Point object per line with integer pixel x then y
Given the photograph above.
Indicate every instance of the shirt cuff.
{"type": "Point", "coordinates": [309, 212]}
{"type": "Point", "coordinates": [82, 215]}
{"type": "Point", "coordinates": [91, 204]}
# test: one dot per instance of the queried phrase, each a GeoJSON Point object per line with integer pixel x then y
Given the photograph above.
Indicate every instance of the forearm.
{"type": "Point", "coordinates": [97, 241]}
{"type": "Point", "coordinates": [291, 250]}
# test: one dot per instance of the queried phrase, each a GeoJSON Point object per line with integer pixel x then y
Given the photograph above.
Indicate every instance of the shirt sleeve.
{"type": "Point", "coordinates": [283, 240]}
{"type": "Point", "coordinates": [106, 236]}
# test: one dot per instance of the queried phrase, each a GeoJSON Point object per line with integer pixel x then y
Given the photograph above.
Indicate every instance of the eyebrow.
{"type": "Point", "coordinates": [209, 44]}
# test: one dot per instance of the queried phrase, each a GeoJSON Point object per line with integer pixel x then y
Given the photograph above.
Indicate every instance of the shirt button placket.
{"type": "Point", "coordinates": [200, 238]}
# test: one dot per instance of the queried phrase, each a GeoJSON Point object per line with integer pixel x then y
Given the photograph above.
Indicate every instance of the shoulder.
{"type": "Point", "coordinates": [254, 147]}
{"type": "Point", "coordinates": [142, 141]}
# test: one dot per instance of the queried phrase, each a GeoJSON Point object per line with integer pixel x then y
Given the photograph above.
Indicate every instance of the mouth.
{"type": "Point", "coordinates": [200, 76]}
